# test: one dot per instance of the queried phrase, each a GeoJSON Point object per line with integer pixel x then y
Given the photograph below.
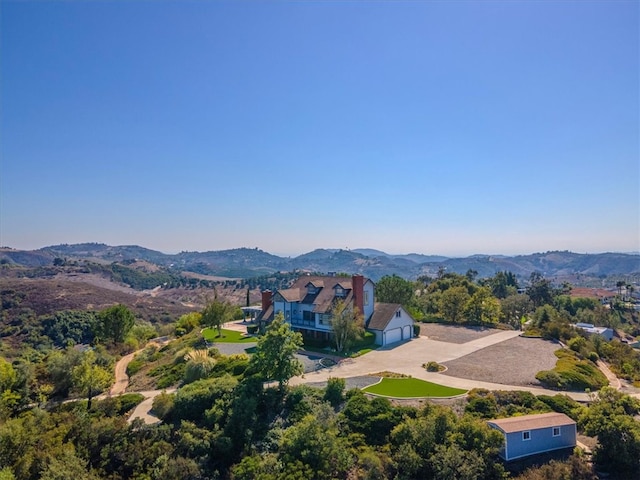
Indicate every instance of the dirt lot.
{"type": "Point", "coordinates": [513, 362]}
{"type": "Point", "coordinates": [454, 333]}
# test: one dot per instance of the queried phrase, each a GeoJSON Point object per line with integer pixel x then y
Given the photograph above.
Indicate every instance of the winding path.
{"type": "Point", "coordinates": [143, 410]}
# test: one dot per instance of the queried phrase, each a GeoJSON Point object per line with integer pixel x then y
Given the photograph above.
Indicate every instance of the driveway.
{"type": "Point", "coordinates": [407, 358]}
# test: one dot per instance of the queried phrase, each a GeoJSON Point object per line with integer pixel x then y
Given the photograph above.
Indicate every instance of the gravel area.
{"type": "Point", "coordinates": [513, 362]}
{"type": "Point", "coordinates": [454, 333]}
{"type": "Point", "coordinates": [353, 382]}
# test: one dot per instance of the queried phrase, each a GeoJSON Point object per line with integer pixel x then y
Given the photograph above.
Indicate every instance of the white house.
{"type": "Point", "coordinates": [604, 332]}
{"type": "Point", "coordinates": [307, 306]}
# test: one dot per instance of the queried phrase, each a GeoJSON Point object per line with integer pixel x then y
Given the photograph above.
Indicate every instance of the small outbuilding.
{"type": "Point", "coordinates": [533, 434]}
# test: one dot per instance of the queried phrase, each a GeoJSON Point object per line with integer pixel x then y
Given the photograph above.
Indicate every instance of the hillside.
{"type": "Point", "coordinates": [253, 262]}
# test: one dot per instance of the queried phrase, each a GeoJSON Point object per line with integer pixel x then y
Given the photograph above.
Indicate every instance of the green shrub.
{"type": "Point", "coordinates": [572, 373]}
{"type": "Point", "coordinates": [163, 405]}
{"type": "Point", "coordinates": [433, 367]}
{"type": "Point", "coordinates": [416, 330]}
{"type": "Point", "coordinates": [252, 329]}
{"type": "Point", "coordinates": [135, 366]}
{"type": "Point", "coordinates": [367, 339]}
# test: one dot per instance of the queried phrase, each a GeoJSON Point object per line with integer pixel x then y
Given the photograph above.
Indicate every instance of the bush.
{"type": "Point", "coordinates": [135, 366]}
{"type": "Point", "coordinates": [163, 405]}
{"type": "Point", "coordinates": [367, 339]}
{"type": "Point", "coordinates": [550, 379]}
{"type": "Point", "coordinates": [433, 367]}
{"type": "Point", "coordinates": [334, 392]}
{"type": "Point", "coordinates": [593, 356]}
{"type": "Point", "coordinates": [572, 373]}
{"type": "Point", "coordinates": [416, 330]}
{"type": "Point", "coordinates": [252, 329]}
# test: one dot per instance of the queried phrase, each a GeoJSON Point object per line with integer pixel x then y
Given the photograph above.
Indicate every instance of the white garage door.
{"type": "Point", "coordinates": [393, 336]}
{"type": "Point", "coordinates": [407, 334]}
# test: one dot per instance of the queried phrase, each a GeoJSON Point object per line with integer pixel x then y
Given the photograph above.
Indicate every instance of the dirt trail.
{"type": "Point", "coordinates": [122, 379]}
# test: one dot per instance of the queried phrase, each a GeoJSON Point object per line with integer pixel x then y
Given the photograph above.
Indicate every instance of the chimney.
{"type": "Point", "coordinates": [357, 283]}
{"type": "Point", "coordinates": [266, 300]}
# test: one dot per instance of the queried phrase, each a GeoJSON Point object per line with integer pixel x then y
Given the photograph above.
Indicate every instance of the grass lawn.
{"type": "Point", "coordinates": [228, 336]}
{"type": "Point", "coordinates": [411, 388]}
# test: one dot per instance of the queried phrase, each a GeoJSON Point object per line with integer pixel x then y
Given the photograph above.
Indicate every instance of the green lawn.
{"type": "Point", "coordinates": [411, 388]}
{"type": "Point", "coordinates": [228, 336]}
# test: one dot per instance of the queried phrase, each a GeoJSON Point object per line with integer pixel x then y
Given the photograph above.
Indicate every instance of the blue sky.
{"type": "Point", "coordinates": [434, 127]}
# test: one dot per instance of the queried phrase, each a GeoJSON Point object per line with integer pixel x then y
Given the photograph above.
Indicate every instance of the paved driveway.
{"type": "Point", "coordinates": [408, 358]}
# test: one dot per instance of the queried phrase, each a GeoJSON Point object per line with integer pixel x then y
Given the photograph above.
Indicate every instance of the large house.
{"type": "Point", "coordinates": [308, 303]}
{"type": "Point", "coordinates": [533, 434]}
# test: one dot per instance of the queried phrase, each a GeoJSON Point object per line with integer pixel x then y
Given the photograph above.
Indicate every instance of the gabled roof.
{"type": "Point", "coordinates": [383, 313]}
{"type": "Point", "coordinates": [532, 422]}
{"type": "Point", "coordinates": [292, 294]}
{"type": "Point", "coordinates": [323, 300]}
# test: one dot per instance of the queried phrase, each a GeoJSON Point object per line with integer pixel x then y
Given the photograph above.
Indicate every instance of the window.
{"type": "Point", "coordinates": [325, 319]}
{"type": "Point", "coordinates": [526, 435]}
{"type": "Point", "coordinates": [339, 291]}
{"type": "Point", "coordinates": [366, 297]}
{"type": "Point", "coordinates": [398, 314]}
{"type": "Point", "coordinates": [556, 431]}
{"type": "Point", "coordinates": [308, 316]}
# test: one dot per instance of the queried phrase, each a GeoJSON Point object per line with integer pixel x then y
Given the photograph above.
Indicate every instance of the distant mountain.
{"type": "Point", "coordinates": [414, 257]}
{"type": "Point", "coordinates": [253, 262]}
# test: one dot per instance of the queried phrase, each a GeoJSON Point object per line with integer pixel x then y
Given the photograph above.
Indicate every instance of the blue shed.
{"type": "Point", "coordinates": [532, 434]}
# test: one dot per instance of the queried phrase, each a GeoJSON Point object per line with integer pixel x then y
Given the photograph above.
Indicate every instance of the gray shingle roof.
{"type": "Point", "coordinates": [532, 422]}
{"type": "Point", "coordinates": [383, 313]}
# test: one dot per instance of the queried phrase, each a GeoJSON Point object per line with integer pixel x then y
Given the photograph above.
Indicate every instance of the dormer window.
{"type": "Point", "coordinates": [340, 292]}
{"type": "Point", "coordinates": [311, 289]}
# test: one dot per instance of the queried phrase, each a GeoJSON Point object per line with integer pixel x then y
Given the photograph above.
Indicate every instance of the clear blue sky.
{"type": "Point", "coordinates": [434, 127]}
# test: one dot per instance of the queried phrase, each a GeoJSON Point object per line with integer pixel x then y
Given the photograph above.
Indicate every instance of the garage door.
{"type": "Point", "coordinates": [406, 334]}
{"type": "Point", "coordinates": [393, 336]}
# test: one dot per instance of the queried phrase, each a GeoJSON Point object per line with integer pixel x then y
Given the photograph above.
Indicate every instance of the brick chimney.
{"type": "Point", "coordinates": [357, 283]}
{"type": "Point", "coordinates": [266, 300]}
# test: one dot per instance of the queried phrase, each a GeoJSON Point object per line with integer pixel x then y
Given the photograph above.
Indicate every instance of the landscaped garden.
{"type": "Point", "coordinates": [412, 388]}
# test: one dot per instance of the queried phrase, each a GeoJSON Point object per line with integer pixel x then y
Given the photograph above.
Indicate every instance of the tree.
{"type": "Point", "coordinates": [216, 314]}
{"type": "Point", "coordinates": [452, 303]}
{"type": "Point", "coordinates": [347, 324]}
{"type": "Point", "coordinates": [89, 378]}
{"type": "Point", "coordinates": [514, 307]}
{"type": "Point", "coordinates": [482, 307]}
{"type": "Point", "coordinates": [610, 417]}
{"type": "Point", "coordinates": [502, 284]}
{"type": "Point", "coordinates": [275, 353]}
{"type": "Point", "coordinates": [114, 323]}
{"type": "Point", "coordinates": [539, 290]}
{"type": "Point", "coordinates": [9, 398]}
{"type": "Point", "coordinates": [394, 289]}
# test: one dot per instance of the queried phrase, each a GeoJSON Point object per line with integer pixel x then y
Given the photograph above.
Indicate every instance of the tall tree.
{"type": "Point", "coordinates": [89, 378]}
{"type": "Point", "coordinates": [514, 307]}
{"type": "Point", "coordinates": [114, 323]}
{"type": "Point", "coordinates": [275, 353]}
{"type": "Point", "coordinates": [483, 307]}
{"type": "Point", "coordinates": [347, 324]}
{"type": "Point", "coordinates": [394, 289]}
{"type": "Point", "coordinates": [452, 303]}
{"type": "Point", "coordinates": [539, 290]}
{"type": "Point", "coordinates": [216, 314]}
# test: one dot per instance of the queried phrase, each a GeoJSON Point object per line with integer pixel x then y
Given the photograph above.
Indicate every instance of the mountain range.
{"type": "Point", "coordinates": [252, 262]}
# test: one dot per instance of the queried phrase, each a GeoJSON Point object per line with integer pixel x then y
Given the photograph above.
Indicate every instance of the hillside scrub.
{"type": "Point", "coordinates": [572, 373]}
